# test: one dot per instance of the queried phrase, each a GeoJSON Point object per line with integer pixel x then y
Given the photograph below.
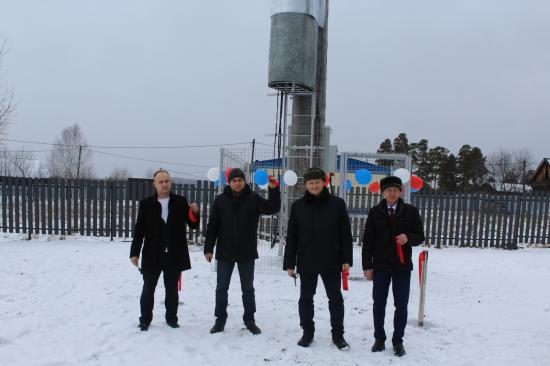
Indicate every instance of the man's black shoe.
{"type": "Point", "coordinates": [399, 350]}
{"type": "Point", "coordinates": [253, 328]}
{"type": "Point", "coordinates": [378, 346]}
{"type": "Point", "coordinates": [218, 327]}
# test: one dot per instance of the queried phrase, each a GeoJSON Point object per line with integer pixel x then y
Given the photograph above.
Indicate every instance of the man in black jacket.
{"type": "Point", "coordinates": [233, 227]}
{"type": "Point", "coordinates": [319, 242]}
{"type": "Point", "coordinates": [161, 222]}
{"type": "Point", "coordinates": [391, 230]}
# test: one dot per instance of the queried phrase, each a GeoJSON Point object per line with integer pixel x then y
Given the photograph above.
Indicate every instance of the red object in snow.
{"type": "Point", "coordinates": [399, 250]}
{"type": "Point", "coordinates": [179, 283]}
{"type": "Point", "coordinates": [345, 275]}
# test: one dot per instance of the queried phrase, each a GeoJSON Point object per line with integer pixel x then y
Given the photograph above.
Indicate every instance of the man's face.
{"type": "Point", "coordinates": [315, 186]}
{"type": "Point", "coordinates": [237, 184]}
{"type": "Point", "coordinates": [162, 183]}
{"type": "Point", "coordinates": [392, 194]}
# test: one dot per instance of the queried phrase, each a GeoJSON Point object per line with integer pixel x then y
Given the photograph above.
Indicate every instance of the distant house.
{"type": "Point", "coordinates": [541, 177]}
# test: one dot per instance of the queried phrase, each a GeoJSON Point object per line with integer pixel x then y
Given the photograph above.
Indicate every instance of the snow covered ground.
{"type": "Point", "coordinates": [76, 302]}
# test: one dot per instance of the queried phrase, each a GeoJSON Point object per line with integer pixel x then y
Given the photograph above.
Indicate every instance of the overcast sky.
{"type": "Point", "coordinates": [134, 72]}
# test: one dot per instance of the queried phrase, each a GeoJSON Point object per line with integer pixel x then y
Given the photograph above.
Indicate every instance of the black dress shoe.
{"type": "Point", "coordinates": [341, 343]}
{"type": "Point", "coordinates": [378, 346]}
{"type": "Point", "coordinates": [173, 324]}
{"type": "Point", "coordinates": [399, 350]}
{"type": "Point", "coordinates": [307, 339]}
{"type": "Point", "coordinates": [143, 326]}
{"type": "Point", "coordinates": [253, 328]}
{"type": "Point", "coordinates": [218, 327]}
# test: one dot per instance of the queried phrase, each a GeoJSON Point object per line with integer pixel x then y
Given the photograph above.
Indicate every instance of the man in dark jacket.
{"type": "Point", "coordinates": [233, 227]}
{"type": "Point", "coordinates": [161, 222]}
{"type": "Point", "coordinates": [391, 230]}
{"type": "Point", "coordinates": [319, 242]}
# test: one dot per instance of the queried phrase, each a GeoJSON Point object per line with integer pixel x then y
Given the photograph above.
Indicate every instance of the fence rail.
{"type": "Point", "coordinates": [102, 208]}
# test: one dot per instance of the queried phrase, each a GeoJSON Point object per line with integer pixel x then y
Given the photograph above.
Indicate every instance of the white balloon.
{"type": "Point", "coordinates": [213, 174]}
{"type": "Point", "coordinates": [264, 186]}
{"type": "Point", "coordinates": [403, 174]}
{"type": "Point", "coordinates": [290, 178]}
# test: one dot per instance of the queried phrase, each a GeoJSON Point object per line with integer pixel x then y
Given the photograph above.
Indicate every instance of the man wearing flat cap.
{"type": "Point", "coordinates": [232, 227]}
{"type": "Point", "coordinates": [392, 228]}
{"type": "Point", "coordinates": [319, 243]}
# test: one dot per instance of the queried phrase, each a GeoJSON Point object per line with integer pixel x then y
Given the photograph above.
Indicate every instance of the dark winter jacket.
{"type": "Point", "coordinates": [379, 250]}
{"type": "Point", "coordinates": [318, 235]}
{"type": "Point", "coordinates": [233, 223]}
{"type": "Point", "coordinates": [149, 226]}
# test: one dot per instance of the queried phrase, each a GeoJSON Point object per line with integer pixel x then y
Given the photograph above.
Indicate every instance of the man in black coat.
{"type": "Point", "coordinates": [391, 230]}
{"type": "Point", "coordinates": [161, 222]}
{"type": "Point", "coordinates": [233, 227]}
{"type": "Point", "coordinates": [319, 242]}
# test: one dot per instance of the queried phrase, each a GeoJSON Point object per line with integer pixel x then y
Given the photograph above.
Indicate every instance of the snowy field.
{"type": "Point", "coordinates": [76, 302]}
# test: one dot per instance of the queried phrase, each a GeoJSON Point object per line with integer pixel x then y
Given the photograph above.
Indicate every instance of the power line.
{"type": "Point", "coordinates": [126, 147]}
{"type": "Point", "coordinates": [148, 160]}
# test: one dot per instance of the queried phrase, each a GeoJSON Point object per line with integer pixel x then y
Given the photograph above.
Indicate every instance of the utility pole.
{"type": "Point", "coordinates": [524, 173]}
{"type": "Point", "coordinates": [78, 166]}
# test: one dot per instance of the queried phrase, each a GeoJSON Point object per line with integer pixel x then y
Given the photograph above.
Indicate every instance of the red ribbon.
{"type": "Point", "coordinates": [399, 250]}
{"type": "Point", "coordinates": [192, 216]}
{"type": "Point", "coordinates": [273, 181]}
{"type": "Point", "coordinates": [345, 275]}
{"type": "Point", "coordinates": [421, 260]}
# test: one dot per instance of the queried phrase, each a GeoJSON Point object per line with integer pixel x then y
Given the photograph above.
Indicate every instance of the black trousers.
{"type": "Point", "coordinates": [246, 273]}
{"type": "Point", "coordinates": [308, 287]}
{"type": "Point", "coordinates": [401, 283]}
{"type": "Point", "coordinates": [150, 278]}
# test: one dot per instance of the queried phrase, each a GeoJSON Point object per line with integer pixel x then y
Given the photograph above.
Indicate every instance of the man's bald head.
{"type": "Point", "coordinates": [162, 183]}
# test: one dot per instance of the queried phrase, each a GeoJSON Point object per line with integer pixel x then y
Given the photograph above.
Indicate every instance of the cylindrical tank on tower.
{"type": "Point", "coordinates": [293, 44]}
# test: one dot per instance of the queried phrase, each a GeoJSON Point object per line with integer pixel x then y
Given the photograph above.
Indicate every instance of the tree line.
{"type": "Point", "coordinates": [467, 170]}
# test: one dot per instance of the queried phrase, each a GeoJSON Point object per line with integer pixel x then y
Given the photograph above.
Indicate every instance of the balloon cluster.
{"type": "Point", "coordinates": [261, 177]}
{"type": "Point", "coordinates": [290, 178]}
{"type": "Point", "coordinates": [364, 177]}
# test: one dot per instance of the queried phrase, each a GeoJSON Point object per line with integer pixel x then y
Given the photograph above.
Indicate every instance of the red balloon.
{"type": "Point", "coordinates": [227, 171]}
{"type": "Point", "coordinates": [416, 183]}
{"type": "Point", "coordinates": [374, 187]}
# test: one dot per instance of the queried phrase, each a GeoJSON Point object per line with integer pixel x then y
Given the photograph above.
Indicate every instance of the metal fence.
{"type": "Point", "coordinates": [100, 208]}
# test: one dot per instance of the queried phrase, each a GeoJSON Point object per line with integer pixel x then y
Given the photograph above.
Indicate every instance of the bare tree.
{"type": "Point", "coordinates": [508, 169]}
{"type": "Point", "coordinates": [19, 163]}
{"type": "Point", "coordinates": [119, 174]}
{"type": "Point", "coordinates": [6, 96]}
{"type": "Point", "coordinates": [71, 158]}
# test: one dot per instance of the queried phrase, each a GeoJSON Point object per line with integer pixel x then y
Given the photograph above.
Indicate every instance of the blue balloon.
{"type": "Point", "coordinates": [348, 185]}
{"type": "Point", "coordinates": [414, 190]}
{"type": "Point", "coordinates": [261, 177]}
{"type": "Point", "coordinates": [363, 176]}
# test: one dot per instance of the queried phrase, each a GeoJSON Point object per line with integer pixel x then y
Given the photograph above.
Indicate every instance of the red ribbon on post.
{"type": "Point", "coordinates": [421, 260]}
{"type": "Point", "coordinates": [179, 283]}
{"type": "Point", "coordinates": [345, 275]}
